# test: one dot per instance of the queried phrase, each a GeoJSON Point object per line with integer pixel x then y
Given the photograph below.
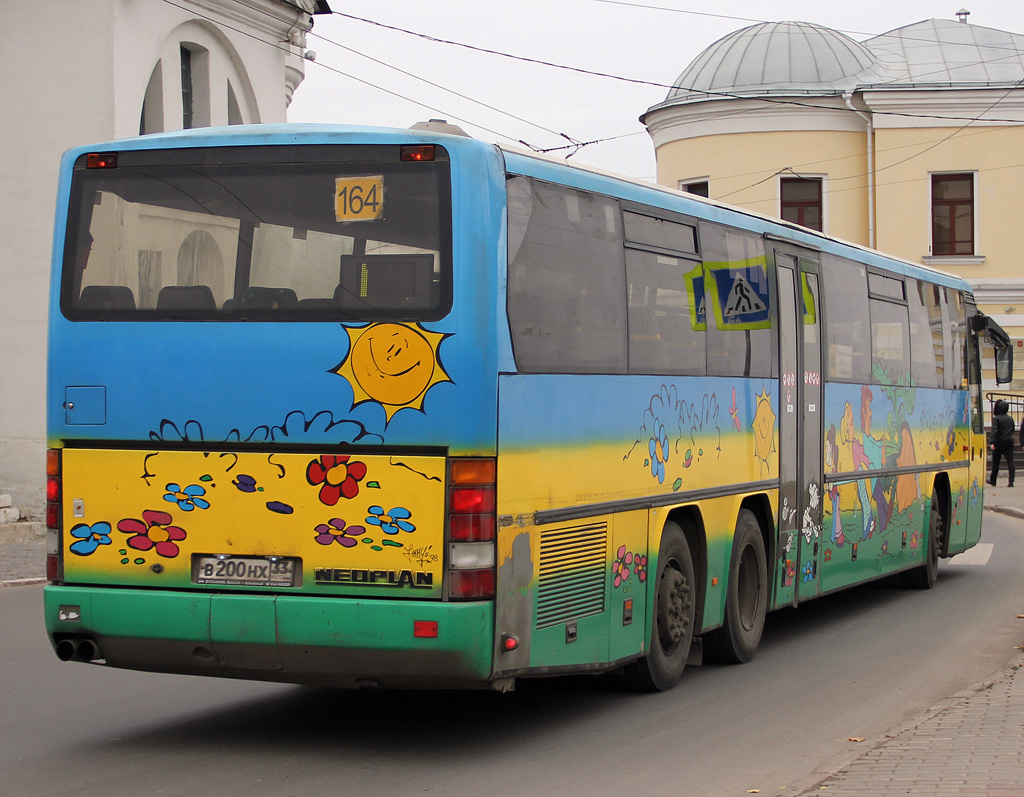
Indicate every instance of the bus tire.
{"type": "Point", "coordinates": [925, 576]}
{"type": "Point", "coordinates": [746, 599]}
{"type": "Point", "coordinates": [674, 615]}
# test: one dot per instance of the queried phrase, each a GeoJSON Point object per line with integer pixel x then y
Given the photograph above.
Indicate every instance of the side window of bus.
{"type": "Point", "coordinates": [846, 319]}
{"type": "Point", "coordinates": [926, 346]}
{"type": "Point", "coordinates": [665, 334]}
{"type": "Point", "coordinates": [732, 298]}
{"type": "Point", "coordinates": [956, 374]}
{"type": "Point", "coordinates": [566, 291]}
{"type": "Point", "coordinates": [890, 330]}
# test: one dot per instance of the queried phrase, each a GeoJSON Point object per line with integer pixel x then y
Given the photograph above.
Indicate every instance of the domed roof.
{"type": "Point", "coordinates": [775, 57]}
{"type": "Point", "coordinates": [941, 52]}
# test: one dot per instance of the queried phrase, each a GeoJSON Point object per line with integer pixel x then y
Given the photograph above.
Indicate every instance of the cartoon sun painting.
{"type": "Point", "coordinates": [392, 364]}
{"type": "Point", "coordinates": [764, 428]}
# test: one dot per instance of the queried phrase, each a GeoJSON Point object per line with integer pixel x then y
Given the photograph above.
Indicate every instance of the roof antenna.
{"type": "Point", "coordinates": [962, 15]}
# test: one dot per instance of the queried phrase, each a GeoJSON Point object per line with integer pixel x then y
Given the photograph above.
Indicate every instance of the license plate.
{"type": "Point", "coordinates": [246, 571]}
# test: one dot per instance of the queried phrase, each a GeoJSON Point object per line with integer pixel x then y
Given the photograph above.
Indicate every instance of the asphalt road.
{"type": "Point", "coordinates": [848, 665]}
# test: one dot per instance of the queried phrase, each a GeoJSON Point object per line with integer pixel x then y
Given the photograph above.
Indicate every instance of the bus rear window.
{"type": "Point", "coordinates": [299, 233]}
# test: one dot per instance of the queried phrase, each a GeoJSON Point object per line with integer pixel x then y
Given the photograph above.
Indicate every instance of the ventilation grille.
{"type": "Point", "coordinates": [572, 574]}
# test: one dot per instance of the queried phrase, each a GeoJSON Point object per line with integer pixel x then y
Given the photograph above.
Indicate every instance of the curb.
{"type": "Point", "coordinates": [22, 582]}
{"type": "Point", "coordinates": [1007, 510]}
{"type": "Point", "coordinates": [22, 531]}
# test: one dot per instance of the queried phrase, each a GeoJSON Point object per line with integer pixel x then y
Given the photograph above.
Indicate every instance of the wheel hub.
{"type": "Point", "coordinates": [673, 607]}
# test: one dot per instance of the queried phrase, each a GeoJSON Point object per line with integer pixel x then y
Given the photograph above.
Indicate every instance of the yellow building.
{"type": "Point", "coordinates": [910, 142]}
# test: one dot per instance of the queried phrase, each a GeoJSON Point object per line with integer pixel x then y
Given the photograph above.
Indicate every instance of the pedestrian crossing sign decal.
{"type": "Point", "coordinates": [740, 294]}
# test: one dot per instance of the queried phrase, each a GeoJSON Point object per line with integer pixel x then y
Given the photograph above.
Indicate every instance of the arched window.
{"type": "Point", "coordinates": [200, 79]}
{"type": "Point", "coordinates": [200, 261]}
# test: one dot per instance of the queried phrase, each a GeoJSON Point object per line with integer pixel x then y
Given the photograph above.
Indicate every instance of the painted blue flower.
{"type": "Point", "coordinates": [392, 521]}
{"type": "Point", "coordinates": [808, 571]}
{"type": "Point", "coordinates": [90, 537]}
{"type": "Point", "coordinates": [658, 448]}
{"type": "Point", "coordinates": [187, 499]}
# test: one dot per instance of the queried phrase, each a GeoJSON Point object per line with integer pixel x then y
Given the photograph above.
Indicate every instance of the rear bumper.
{"type": "Point", "coordinates": [340, 642]}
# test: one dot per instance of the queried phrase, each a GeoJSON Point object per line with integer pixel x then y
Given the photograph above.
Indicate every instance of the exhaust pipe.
{"type": "Point", "coordinates": [66, 649]}
{"type": "Point", "coordinates": [88, 650]}
{"type": "Point", "coordinates": [78, 650]}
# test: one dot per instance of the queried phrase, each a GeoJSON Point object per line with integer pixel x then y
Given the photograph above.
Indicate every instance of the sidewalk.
{"type": "Point", "coordinates": [22, 553]}
{"type": "Point", "coordinates": [970, 744]}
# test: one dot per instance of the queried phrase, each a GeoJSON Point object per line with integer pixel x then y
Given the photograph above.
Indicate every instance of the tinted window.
{"type": "Point", "coordinates": [956, 374]}
{"type": "Point", "coordinates": [303, 232]}
{"type": "Point", "coordinates": [665, 336]}
{"type": "Point", "coordinates": [926, 347]}
{"type": "Point", "coordinates": [653, 233]}
{"type": "Point", "coordinates": [890, 342]}
{"type": "Point", "coordinates": [885, 286]}
{"type": "Point", "coordinates": [566, 282]}
{"type": "Point", "coordinates": [847, 334]}
{"type": "Point", "coordinates": [735, 299]}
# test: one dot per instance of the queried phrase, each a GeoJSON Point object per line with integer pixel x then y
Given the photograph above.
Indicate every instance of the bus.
{"type": "Point", "coordinates": [368, 407]}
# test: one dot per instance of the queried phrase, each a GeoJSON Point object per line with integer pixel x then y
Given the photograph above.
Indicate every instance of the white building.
{"type": "Point", "coordinates": [102, 70]}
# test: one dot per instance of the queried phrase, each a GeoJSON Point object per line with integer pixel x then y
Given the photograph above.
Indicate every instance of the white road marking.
{"type": "Point", "coordinates": [978, 555]}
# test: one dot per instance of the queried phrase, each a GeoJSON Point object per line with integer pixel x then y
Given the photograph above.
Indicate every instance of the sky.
{"type": "Point", "coordinates": [367, 74]}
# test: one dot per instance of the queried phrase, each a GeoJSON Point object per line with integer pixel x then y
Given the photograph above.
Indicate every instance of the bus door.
{"type": "Point", "coordinates": [800, 425]}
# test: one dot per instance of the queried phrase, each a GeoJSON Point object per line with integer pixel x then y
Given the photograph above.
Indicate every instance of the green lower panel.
{"type": "Point", "coordinates": [295, 639]}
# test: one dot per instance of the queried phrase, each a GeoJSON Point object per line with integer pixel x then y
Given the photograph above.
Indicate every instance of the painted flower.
{"type": "Point", "coordinates": [658, 447]}
{"type": "Point", "coordinates": [914, 540]}
{"type": "Point", "coordinates": [337, 477]}
{"type": "Point", "coordinates": [153, 532]}
{"type": "Point", "coordinates": [89, 538]}
{"type": "Point", "coordinates": [828, 554]}
{"type": "Point", "coordinates": [335, 530]}
{"type": "Point", "coordinates": [640, 567]}
{"type": "Point", "coordinates": [790, 573]}
{"type": "Point", "coordinates": [187, 498]}
{"type": "Point", "coordinates": [950, 440]}
{"type": "Point", "coordinates": [885, 547]}
{"type": "Point", "coordinates": [620, 567]}
{"type": "Point", "coordinates": [392, 521]}
{"type": "Point", "coordinates": [808, 571]}
{"type": "Point", "coordinates": [245, 483]}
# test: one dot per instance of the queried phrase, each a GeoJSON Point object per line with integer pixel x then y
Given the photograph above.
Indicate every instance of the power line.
{"type": "Point", "coordinates": [758, 20]}
{"type": "Point", "coordinates": [639, 81]}
{"type": "Point", "coordinates": [287, 50]}
{"type": "Point", "coordinates": [412, 75]}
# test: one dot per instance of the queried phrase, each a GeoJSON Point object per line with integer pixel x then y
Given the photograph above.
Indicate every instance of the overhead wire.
{"type": "Point", "coordinates": [574, 144]}
{"type": "Point", "coordinates": [287, 49]}
{"type": "Point", "coordinates": [640, 81]}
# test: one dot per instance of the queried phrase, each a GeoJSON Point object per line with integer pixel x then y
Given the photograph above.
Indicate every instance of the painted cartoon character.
{"type": "Point", "coordinates": [860, 462]}
{"type": "Point", "coordinates": [832, 466]}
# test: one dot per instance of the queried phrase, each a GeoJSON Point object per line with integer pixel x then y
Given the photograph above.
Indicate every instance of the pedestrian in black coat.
{"type": "Point", "coordinates": [1002, 440]}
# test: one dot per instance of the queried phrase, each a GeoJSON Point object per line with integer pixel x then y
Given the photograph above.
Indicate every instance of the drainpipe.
{"type": "Point", "coordinates": [871, 166]}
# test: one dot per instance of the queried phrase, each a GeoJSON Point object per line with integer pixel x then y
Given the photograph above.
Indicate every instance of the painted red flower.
{"type": "Point", "coordinates": [337, 476]}
{"type": "Point", "coordinates": [153, 532]}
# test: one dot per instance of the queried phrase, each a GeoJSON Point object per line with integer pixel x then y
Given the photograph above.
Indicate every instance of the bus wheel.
{"type": "Point", "coordinates": [746, 599]}
{"type": "Point", "coordinates": [674, 612]}
{"type": "Point", "coordinates": [924, 577]}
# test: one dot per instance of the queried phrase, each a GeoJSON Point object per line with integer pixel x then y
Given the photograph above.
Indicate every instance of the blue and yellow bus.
{"type": "Point", "coordinates": [400, 408]}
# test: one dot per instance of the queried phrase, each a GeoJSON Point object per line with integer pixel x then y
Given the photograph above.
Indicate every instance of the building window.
{"type": "Point", "coordinates": [698, 187]}
{"type": "Point", "coordinates": [801, 201]}
{"type": "Point", "coordinates": [186, 88]}
{"type": "Point", "coordinates": [952, 214]}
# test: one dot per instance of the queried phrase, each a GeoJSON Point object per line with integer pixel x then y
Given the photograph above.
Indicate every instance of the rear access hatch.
{"type": "Point", "coordinates": [310, 523]}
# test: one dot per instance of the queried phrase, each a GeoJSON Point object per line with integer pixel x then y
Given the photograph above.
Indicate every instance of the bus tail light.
{"type": "Point", "coordinates": [417, 152]}
{"type": "Point", "coordinates": [54, 559]}
{"type": "Point", "coordinates": [472, 524]}
{"type": "Point", "coordinates": [101, 160]}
